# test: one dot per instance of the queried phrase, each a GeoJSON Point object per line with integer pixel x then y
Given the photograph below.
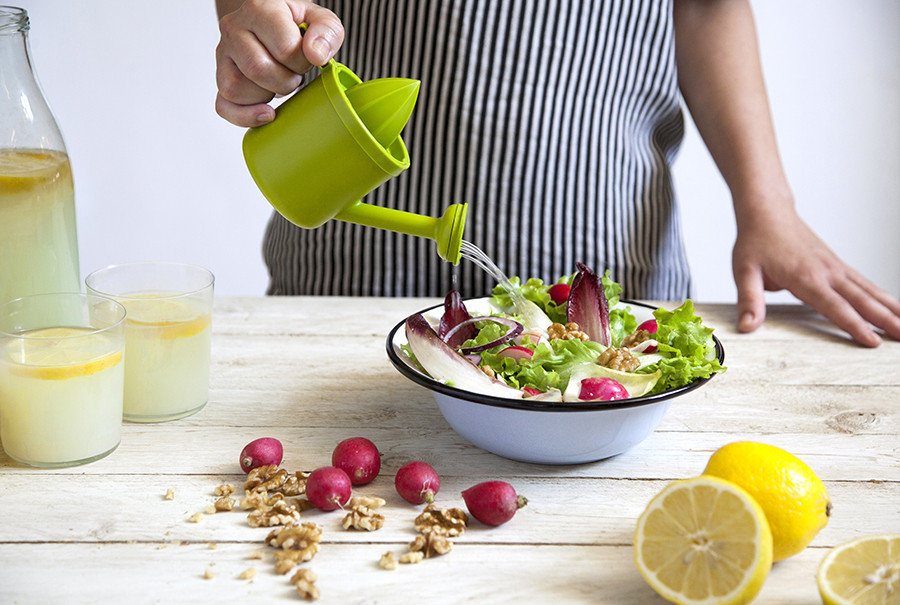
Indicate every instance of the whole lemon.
{"type": "Point", "coordinates": [793, 498]}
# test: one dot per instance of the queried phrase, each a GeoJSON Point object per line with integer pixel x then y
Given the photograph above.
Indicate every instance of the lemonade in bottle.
{"type": "Point", "coordinates": [167, 336]}
{"type": "Point", "coordinates": [62, 372]}
{"type": "Point", "coordinates": [38, 244]}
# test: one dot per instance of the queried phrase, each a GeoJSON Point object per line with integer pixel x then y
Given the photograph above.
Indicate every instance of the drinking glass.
{"type": "Point", "coordinates": [167, 335]}
{"type": "Point", "coordinates": [61, 378]}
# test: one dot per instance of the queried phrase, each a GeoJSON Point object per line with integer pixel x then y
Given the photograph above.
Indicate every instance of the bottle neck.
{"type": "Point", "coordinates": [25, 118]}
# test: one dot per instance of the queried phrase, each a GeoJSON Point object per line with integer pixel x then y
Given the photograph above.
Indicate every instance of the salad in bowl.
{"type": "Point", "coordinates": [571, 343]}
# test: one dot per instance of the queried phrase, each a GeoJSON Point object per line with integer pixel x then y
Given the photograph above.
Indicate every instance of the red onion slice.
{"type": "Point", "coordinates": [515, 328]}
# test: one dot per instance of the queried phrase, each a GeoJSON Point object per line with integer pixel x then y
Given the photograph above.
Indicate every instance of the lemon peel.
{"type": "Point", "coordinates": [795, 501]}
{"type": "Point", "coordinates": [62, 353]}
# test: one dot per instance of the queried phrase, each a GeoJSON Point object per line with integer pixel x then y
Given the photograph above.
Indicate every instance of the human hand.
{"type": "Point", "coordinates": [778, 250]}
{"type": "Point", "coordinates": [262, 53]}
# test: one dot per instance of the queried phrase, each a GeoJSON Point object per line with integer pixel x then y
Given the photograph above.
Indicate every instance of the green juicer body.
{"type": "Point", "coordinates": [334, 142]}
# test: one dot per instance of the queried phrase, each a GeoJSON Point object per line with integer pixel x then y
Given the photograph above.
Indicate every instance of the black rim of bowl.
{"type": "Point", "coordinates": [531, 405]}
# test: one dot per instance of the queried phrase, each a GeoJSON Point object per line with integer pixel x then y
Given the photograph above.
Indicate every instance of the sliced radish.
{"type": "Point", "coordinates": [531, 392]}
{"type": "Point", "coordinates": [601, 389]}
{"type": "Point", "coordinates": [516, 352]}
{"type": "Point", "coordinates": [649, 325]}
{"type": "Point", "coordinates": [648, 346]}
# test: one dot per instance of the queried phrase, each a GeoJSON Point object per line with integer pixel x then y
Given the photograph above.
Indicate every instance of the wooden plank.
{"type": "Point", "coordinates": [124, 508]}
{"type": "Point", "coordinates": [148, 449]}
{"type": "Point", "coordinates": [349, 573]}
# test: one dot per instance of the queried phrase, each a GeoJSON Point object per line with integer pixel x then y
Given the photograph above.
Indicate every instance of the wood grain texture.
{"type": "Point", "coordinates": [312, 371]}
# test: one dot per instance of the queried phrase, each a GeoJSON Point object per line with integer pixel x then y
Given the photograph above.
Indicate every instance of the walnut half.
{"type": "Point", "coordinates": [444, 521]}
{"type": "Point", "coordinates": [431, 544]}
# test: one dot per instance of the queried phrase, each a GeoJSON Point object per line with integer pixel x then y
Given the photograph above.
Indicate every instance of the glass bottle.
{"type": "Point", "coordinates": [38, 242]}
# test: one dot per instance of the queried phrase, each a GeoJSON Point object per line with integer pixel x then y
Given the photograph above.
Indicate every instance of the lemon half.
{"type": "Point", "coordinates": [794, 499]}
{"type": "Point", "coordinates": [704, 540]}
{"type": "Point", "coordinates": [62, 353]}
{"type": "Point", "coordinates": [865, 571]}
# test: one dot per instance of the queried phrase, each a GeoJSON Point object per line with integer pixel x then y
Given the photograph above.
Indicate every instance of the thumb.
{"type": "Point", "coordinates": [751, 300]}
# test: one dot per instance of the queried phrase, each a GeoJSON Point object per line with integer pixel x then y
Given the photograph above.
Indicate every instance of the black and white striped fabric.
{"type": "Point", "coordinates": [555, 120]}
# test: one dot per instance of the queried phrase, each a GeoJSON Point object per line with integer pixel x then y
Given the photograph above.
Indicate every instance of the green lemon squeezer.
{"type": "Point", "coordinates": [335, 141]}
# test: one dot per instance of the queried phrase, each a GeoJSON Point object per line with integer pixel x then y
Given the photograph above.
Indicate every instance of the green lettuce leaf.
{"type": "Point", "coordinates": [687, 348]}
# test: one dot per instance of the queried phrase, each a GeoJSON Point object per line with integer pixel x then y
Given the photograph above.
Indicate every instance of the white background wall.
{"type": "Point", "coordinates": [159, 175]}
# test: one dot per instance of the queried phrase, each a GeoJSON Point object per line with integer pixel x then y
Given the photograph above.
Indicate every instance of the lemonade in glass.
{"type": "Point", "coordinates": [167, 336]}
{"type": "Point", "coordinates": [38, 243]}
{"type": "Point", "coordinates": [62, 376]}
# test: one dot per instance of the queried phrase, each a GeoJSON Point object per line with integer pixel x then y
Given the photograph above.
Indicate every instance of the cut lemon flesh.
{"type": "Point", "coordinates": [172, 318]}
{"type": "Point", "coordinates": [703, 541]}
{"type": "Point", "coordinates": [865, 571]}
{"type": "Point", "coordinates": [62, 353]}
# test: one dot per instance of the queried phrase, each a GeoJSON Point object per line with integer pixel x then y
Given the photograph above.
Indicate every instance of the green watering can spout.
{"type": "Point", "coordinates": [447, 231]}
{"type": "Point", "coordinates": [384, 106]}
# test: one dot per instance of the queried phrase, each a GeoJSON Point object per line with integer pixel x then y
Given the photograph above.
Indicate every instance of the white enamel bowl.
{"type": "Point", "coordinates": [542, 432]}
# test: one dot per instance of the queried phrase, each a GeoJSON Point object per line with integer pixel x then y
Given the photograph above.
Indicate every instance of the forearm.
{"type": "Point", "coordinates": [721, 79]}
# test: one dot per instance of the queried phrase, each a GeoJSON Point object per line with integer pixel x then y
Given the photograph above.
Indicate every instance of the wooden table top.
{"type": "Point", "coordinates": [313, 371]}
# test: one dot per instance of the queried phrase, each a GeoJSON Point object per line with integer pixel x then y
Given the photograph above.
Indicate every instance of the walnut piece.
{"type": "Point", "coordinates": [570, 331]}
{"type": "Point", "coordinates": [305, 581]}
{"type": "Point", "coordinates": [358, 519]}
{"type": "Point", "coordinates": [618, 359]}
{"type": "Point", "coordinates": [223, 504]}
{"type": "Point", "coordinates": [444, 521]}
{"type": "Point", "coordinates": [388, 561]}
{"type": "Point", "coordinates": [226, 489]}
{"type": "Point", "coordinates": [431, 544]}
{"type": "Point", "coordinates": [636, 338]}
{"type": "Point", "coordinates": [297, 542]}
{"type": "Point", "coordinates": [265, 479]}
{"type": "Point", "coordinates": [295, 485]}
{"type": "Point", "coordinates": [196, 518]}
{"type": "Point", "coordinates": [411, 557]}
{"type": "Point", "coordinates": [278, 512]}
{"type": "Point", "coordinates": [362, 513]}
{"type": "Point", "coordinates": [170, 494]}
{"type": "Point", "coordinates": [284, 566]}
{"type": "Point", "coordinates": [248, 574]}
{"type": "Point", "coordinates": [369, 502]}
{"type": "Point", "coordinates": [208, 574]}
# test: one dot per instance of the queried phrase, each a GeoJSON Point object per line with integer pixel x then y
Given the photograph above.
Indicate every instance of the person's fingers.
{"type": "Point", "coordinates": [866, 299]}
{"type": "Point", "coordinates": [835, 307]}
{"type": "Point", "coordinates": [277, 27]}
{"type": "Point", "coordinates": [244, 115]}
{"type": "Point", "coordinates": [751, 300]}
{"type": "Point", "coordinates": [324, 34]}
{"type": "Point", "coordinates": [246, 71]}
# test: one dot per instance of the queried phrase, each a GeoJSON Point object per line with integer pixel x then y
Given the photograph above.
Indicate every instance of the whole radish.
{"type": "Point", "coordinates": [493, 502]}
{"type": "Point", "coordinates": [417, 482]}
{"type": "Point", "coordinates": [261, 452]}
{"type": "Point", "coordinates": [328, 488]}
{"type": "Point", "coordinates": [359, 458]}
